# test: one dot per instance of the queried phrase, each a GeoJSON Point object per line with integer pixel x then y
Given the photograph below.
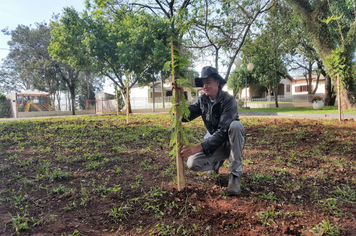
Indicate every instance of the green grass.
{"type": "Point", "coordinates": [328, 110]}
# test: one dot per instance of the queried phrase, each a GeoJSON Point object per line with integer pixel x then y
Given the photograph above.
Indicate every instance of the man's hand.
{"type": "Point", "coordinates": [175, 85]}
{"type": "Point", "coordinates": [190, 150]}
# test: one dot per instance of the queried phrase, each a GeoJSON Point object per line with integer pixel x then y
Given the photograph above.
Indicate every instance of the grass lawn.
{"type": "Point", "coordinates": [97, 175]}
{"type": "Point", "coordinates": [329, 110]}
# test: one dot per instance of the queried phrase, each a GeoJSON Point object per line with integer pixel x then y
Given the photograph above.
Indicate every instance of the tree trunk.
{"type": "Point", "coordinates": [117, 102]}
{"type": "Point", "coordinates": [88, 79]}
{"type": "Point", "coordinates": [162, 92]}
{"type": "Point", "coordinates": [316, 84]}
{"type": "Point", "coordinates": [153, 97]}
{"type": "Point", "coordinates": [330, 95]}
{"type": "Point", "coordinates": [72, 95]}
{"type": "Point", "coordinates": [69, 103]}
{"type": "Point", "coordinates": [275, 91]}
{"type": "Point", "coordinates": [310, 78]}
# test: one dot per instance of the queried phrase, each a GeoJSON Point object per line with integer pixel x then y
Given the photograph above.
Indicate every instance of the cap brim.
{"type": "Point", "coordinates": [199, 81]}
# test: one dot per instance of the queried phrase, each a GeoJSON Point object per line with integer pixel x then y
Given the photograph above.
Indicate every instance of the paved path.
{"type": "Point", "coordinates": [297, 115]}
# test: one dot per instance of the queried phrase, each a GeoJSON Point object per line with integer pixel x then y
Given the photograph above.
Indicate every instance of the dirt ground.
{"type": "Point", "coordinates": [99, 176]}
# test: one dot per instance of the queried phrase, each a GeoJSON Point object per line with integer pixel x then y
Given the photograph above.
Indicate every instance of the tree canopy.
{"type": "Point", "coordinates": [332, 26]}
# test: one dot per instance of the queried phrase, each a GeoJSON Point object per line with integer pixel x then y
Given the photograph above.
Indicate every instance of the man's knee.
{"type": "Point", "coordinates": [192, 164]}
{"type": "Point", "coordinates": [236, 126]}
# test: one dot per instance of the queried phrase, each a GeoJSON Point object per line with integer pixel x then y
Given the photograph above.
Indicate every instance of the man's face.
{"type": "Point", "coordinates": [211, 87]}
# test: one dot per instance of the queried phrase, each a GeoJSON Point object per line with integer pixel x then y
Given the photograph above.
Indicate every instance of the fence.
{"type": "Point", "coordinates": [5, 109]}
{"type": "Point", "coordinates": [147, 103]}
{"type": "Point", "coordinates": [287, 101]}
{"type": "Point", "coordinates": [34, 104]}
{"type": "Point", "coordinates": [283, 98]}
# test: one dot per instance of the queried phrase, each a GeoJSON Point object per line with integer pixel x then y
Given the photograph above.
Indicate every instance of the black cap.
{"type": "Point", "coordinates": [205, 73]}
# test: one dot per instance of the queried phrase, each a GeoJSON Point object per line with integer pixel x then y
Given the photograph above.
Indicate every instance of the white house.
{"type": "Point", "coordinates": [142, 97]}
{"type": "Point", "coordinates": [290, 88]}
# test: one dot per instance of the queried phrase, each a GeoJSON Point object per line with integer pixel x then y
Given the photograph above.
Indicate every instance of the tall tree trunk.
{"type": "Point", "coordinates": [117, 102]}
{"type": "Point", "coordinates": [153, 97]}
{"type": "Point", "coordinates": [330, 95]}
{"type": "Point", "coordinates": [72, 95]}
{"type": "Point", "coordinates": [275, 91]}
{"type": "Point", "coordinates": [316, 84]}
{"type": "Point", "coordinates": [88, 79]}
{"type": "Point", "coordinates": [310, 78]}
{"type": "Point", "coordinates": [127, 73]}
{"type": "Point", "coordinates": [162, 92]}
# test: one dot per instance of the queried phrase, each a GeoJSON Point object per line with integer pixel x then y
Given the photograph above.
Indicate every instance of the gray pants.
{"type": "Point", "coordinates": [231, 149]}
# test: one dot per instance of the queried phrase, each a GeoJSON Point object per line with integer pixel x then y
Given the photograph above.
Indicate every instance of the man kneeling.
{"type": "Point", "coordinates": [226, 135]}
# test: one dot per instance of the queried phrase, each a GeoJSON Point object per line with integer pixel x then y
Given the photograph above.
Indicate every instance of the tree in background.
{"type": "Point", "coordinates": [87, 87]}
{"type": "Point", "coordinates": [123, 46]}
{"type": "Point", "coordinates": [332, 26]}
{"type": "Point", "coordinates": [30, 65]}
{"type": "Point", "coordinates": [304, 55]}
{"type": "Point", "coordinates": [221, 27]}
{"type": "Point", "coordinates": [9, 79]}
{"type": "Point", "coordinates": [268, 52]}
{"type": "Point", "coordinates": [29, 60]}
{"type": "Point", "coordinates": [241, 78]}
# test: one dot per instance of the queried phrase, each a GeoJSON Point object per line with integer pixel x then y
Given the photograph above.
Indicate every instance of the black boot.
{"type": "Point", "coordinates": [233, 189]}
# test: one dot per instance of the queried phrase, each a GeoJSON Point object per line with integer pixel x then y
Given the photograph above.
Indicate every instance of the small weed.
{"type": "Point", "coordinates": [346, 193]}
{"type": "Point", "coordinates": [325, 227]}
{"type": "Point", "coordinates": [117, 170]}
{"type": "Point", "coordinates": [57, 175]}
{"type": "Point", "coordinates": [139, 180]}
{"type": "Point", "coordinates": [59, 190]}
{"type": "Point", "coordinates": [118, 149]}
{"type": "Point", "coordinates": [331, 206]}
{"type": "Point", "coordinates": [165, 229]}
{"type": "Point", "coordinates": [267, 216]}
{"type": "Point", "coordinates": [119, 213]}
{"type": "Point", "coordinates": [269, 197]}
{"type": "Point", "coordinates": [145, 164]}
{"type": "Point", "coordinates": [84, 201]}
{"type": "Point", "coordinates": [261, 178]}
{"type": "Point", "coordinates": [75, 233]}
{"type": "Point", "coordinates": [97, 156]}
{"type": "Point", "coordinates": [94, 165]}
{"type": "Point", "coordinates": [71, 205]}
{"type": "Point", "coordinates": [19, 222]}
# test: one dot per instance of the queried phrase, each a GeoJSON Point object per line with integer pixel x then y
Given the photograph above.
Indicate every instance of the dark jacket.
{"type": "Point", "coordinates": [217, 117]}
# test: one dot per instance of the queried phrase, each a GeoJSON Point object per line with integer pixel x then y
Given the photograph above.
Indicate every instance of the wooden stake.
{"type": "Point", "coordinates": [179, 160]}
{"type": "Point", "coordinates": [338, 96]}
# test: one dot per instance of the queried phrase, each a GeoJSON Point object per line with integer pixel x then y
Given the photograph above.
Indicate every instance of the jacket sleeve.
{"type": "Point", "coordinates": [195, 111]}
{"type": "Point", "coordinates": [211, 144]}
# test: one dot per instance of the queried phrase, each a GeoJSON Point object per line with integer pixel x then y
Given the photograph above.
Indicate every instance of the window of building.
{"type": "Point", "coordinates": [303, 88]}
{"type": "Point", "coordinates": [288, 88]}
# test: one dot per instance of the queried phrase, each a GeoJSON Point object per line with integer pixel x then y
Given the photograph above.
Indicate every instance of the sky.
{"type": "Point", "coordinates": [27, 12]}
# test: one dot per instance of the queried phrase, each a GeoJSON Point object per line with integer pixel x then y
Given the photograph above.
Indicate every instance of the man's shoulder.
{"type": "Point", "coordinates": [225, 96]}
